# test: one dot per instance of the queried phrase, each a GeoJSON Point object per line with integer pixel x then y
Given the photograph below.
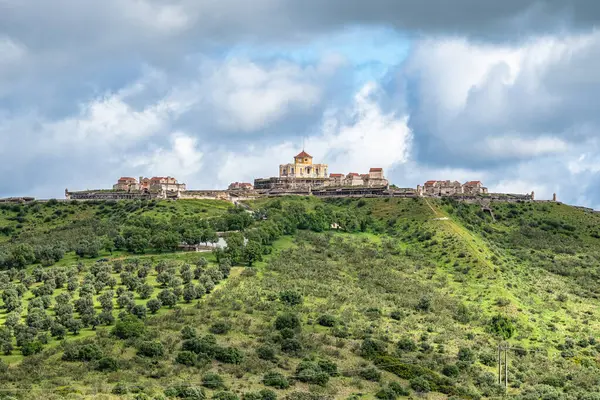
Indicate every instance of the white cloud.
{"type": "Point", "coordinates": [255, 163]}
{"type": "Point", "coordinates": [364, 136]}
{"type": "Point", "coordinates": [449, 68]}
{"type": "Point", "coordinates": [183, 159]}
{"type": "Point", "coordinates": [350, 140]}
{"type": "Point", "coordinates": [520, 186]}
{"type": "Point", "coordinates": [515, 146]}
{"type": "Point", "coordinates": [476, 95]}
{"type": "Point", "coordinates": [248, 97]}
{"type": "Point", "coordinates": [107, 123]}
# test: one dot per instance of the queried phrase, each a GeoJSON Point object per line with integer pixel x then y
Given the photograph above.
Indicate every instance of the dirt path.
{"type": "Point", "coordinates": [435, 211]}
{"type": "Point", "coordinates": [463, 233]}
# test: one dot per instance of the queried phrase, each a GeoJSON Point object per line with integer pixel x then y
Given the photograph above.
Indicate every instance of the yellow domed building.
{"type": "Point", "coordinates": [303, 167]}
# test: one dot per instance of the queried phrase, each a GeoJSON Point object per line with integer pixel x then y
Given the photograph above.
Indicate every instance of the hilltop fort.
{"type": "Point", "coordinates": [300, 177]}
{"type": "Point", "coordinates": [302, 174]}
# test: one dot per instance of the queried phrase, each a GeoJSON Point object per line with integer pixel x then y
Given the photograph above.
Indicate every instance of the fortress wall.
{"type": "Point", "coordinates": [205, 195]}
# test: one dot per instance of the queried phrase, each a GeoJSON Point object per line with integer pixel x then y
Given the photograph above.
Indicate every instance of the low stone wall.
{"type": "Point", "coordinates": [226, 195]}
{"type": "Point", "coordinates": [17, 199]}
{"type": "Point", "coordinates": [109, 195]}
{"type": "Point", "coordinates": [503, 197]}
{"type": "Point", "coordinates": [205, 194]}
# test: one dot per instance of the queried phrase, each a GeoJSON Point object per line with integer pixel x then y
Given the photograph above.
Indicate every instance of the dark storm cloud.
{"type": "Point", "coordinates": [480, 106]}
{"type": "Point", "coordinates": [116, 24]}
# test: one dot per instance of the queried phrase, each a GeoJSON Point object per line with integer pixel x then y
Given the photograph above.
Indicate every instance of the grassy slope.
{"type": "Point", "coordinates": [43, 218]}
{"type": "Point", "coordinates": [491, 267]}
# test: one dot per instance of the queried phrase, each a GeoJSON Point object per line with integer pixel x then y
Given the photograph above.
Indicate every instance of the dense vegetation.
{"type": "Point", "coordinates": [404, 297]}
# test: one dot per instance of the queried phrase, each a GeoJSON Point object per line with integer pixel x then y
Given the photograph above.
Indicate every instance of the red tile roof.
{"type": "Point", "coordinates": [336, 175]}
{"type": "Point", "coordinates": [353, 174]}
{"type": "Point", "coordinates": [430, 183]}
{"type": "Point", "coordinates": [303, 154]}
{"type": "Point", "coordinates": [126, 178]}
{"type": "Point", "coordinates": [473, 183]}
{"type": "Point", "coordinates": [376, 170]}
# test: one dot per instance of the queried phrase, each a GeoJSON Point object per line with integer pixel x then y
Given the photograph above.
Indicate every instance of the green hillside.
{"type": "Point", "coordinates": [404, 298]}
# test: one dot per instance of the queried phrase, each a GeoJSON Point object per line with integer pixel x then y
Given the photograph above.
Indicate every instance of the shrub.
{"type": "Point", "coordinates": [466, 355]}
{"type": "Point", "coordinates": [287, 333]}
{"type": "Point", "coordinates": [32, 348]}
{"type": "Point", "coordinates": [311, 372]}
{"type": "Point", "coordinates": [139, 310]}
{"type": "Point", "coordinates": [287, 320]}
{"type": "Point", "coordinates": [398, 389]}
{"type": "Point", "coordinates": [290, 297]}
{"type": "Point", "coordinates": [386, 394]}
{"type": "Point", "coordinates": [371, 348]}
{"type": "Point", "coordinates": [58, 331]}
{"type": "Point", "coordinates": [424, 304]}
{"type": "Point", "coordinates": [420, 384]}
{"type": "Point", "coordinates": [229, 355]}
{"type": "Point", "coordinates": [212, 381]}
{"type": "Point", "coordinates": [186, 358]}
{"type": "Point", "coordinates": [541, 391]}
{"type": "Point", "coordinates": [267, 394]}
{"type": "Point", "coordinates": [225, 396]}
{"type": "Point", "coordinates": [206, 345]}
{"type": "Point", "coordinates": [406, 344]}
{"type": "Point", "coordinates": [451, 371]}
{"type": "Point", "coordinates": [326, 320]}
{"type": "Point", "coordinates": [396, 315]}
{"type": "Point", "coordinates": [82, 352]}
{"type": "Point", "coordinates": [120, 388]}
{"type": "Point", "coordinates": [185, 391]}
{"type": "Point", "coordinates": [291, 346]}
{"type": "Point", "coordinates": [463, 314]}
{"type": "Point", "coordinates": [328, 366]}
{"type": "Point", "coordinates": [266, 352]}
{"type": "Point", "coordinates": [276, 380]}
{"type": "Point", "coordinates": [154, 305]}
{"type": "Point", "coordinates": [129, 326]}
{"type": "Point", "coordinates": [487, 358]}
{"type": "Point", "coordinates": [502, 326]}
{"type": "Point", "coordinates": [392, 391]}
{"type": "Point", "coordinates": [370, 374]}
{"type": "Point", "coordinates": [107, 364]}
{"type": "Point", "coordinates": [296, 395]}
{"type": "Point", "coordinates": [219, 328]}
{"type": "Point", "coordinates": [151, 349]}
{"type": "Point", "coordinates": [188, 332]}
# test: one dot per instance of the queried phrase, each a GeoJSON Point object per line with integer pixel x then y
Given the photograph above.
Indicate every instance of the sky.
{"type": "Point", "coordinates": [217, 91]}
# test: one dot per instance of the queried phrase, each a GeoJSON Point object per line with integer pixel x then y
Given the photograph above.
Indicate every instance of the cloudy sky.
{"type": "Point", "coordinates": [215, 91]}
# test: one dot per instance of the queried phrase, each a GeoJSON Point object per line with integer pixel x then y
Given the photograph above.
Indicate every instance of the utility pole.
{"type": "Point", "coordinates": [506, 369]}
{"type": "Point", "coordinates": [499, 365]}
{"type": "Point", "coordinates": [502, 347]}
